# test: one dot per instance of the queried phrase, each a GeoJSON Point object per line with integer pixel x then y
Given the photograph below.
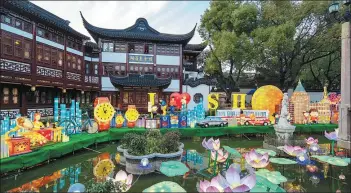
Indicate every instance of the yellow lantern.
{"type": "Point", "coordinates": [266, 98]}
{"type": "Point", "coordinates": [132, 116]}
{"type": "Point", "coordinates": [119, 120]}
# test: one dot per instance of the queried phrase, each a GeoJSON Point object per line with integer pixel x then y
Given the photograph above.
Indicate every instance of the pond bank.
{"type": "Point", "coordinates": [84, 140]}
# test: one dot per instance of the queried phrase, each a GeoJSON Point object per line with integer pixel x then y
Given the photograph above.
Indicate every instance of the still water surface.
{"type": "Point", "coordinates": [59, 174]}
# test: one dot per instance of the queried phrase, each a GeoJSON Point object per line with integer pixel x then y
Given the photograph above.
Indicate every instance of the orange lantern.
{"type": "Point", "coordinates": [18, 145]}
{"type": "Point", "coordinates": [103, 113]}
{"type": "Point", "coordinates": [132, 116]}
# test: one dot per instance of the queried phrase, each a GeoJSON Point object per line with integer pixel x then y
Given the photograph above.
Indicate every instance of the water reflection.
{"type": "Point", "coordinates": [54, 182]}
{"type": "Point", "coordinates": [59, 175]}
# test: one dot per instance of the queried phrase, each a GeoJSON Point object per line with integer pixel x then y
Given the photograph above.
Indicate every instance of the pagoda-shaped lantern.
{"type": "Point", "coordinates": [301, 101]}
{"type": "Point", "coordinates": [324, 110]}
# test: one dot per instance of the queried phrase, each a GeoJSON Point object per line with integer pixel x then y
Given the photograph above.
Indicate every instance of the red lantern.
{"type": "Point", "coordinates": [175, 100]}
{"type": "Point", "coordinates": [187, 97]}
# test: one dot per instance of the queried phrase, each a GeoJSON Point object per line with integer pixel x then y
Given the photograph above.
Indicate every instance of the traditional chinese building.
{"type": "Point", "coordinates": [301, 102]}
{"type": "Point", "coordinates": [42, 57]}
{"type": "Point", "coordinates": [139, 60]}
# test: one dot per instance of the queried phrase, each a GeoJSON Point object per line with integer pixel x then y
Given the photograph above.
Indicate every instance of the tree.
{"type": "Point", "coordinates": [292, 34]}
{"type": "Point", "coordinates": [276, 38]}
{"type": "Point", "coordinates": [324, 71]}
{"type": "Point", "coordinates": [226, 27]}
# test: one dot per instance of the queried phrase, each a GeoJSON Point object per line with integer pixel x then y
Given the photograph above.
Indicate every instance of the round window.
{"type": "Point", "coordinates": [197, 97]}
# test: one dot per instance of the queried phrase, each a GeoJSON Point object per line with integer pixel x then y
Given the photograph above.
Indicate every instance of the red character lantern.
{"type": "Point", "coordinates": [175, 99]}
{"type": "Point", "coordinates": [187, 97]}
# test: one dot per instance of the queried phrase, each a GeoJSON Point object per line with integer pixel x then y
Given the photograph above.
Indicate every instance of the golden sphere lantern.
{"type": "Point", "coordinates": [266, 98]}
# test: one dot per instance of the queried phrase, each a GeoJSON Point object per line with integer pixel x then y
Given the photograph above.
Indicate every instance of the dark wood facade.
{"type": "Point", "coordinates": [41, 59]}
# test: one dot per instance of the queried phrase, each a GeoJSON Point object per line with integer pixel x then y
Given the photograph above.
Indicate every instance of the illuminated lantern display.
{"type": "Point", "coordinates": [119, 120]}
{"type": "Point", "coordinates": [182, 121]}
{"type": "Point", "coordinates": [174, 121]}
{"type": "Point", "coordinates": [19, 145]}
{"type": "Point", "coordinates": [266, 98]}
{"type": "Point", "coordinates": [185, 99]}
{"type": "Point", "coordinates": [301, 101]}
{"type": "Point", "coordinates": [213, 101]}
{"type": "Point", "coordinates": [103, 113]}
{"type": "Point", "coordinates": [165, 121]}
{"type": "Point", "coordinates": [175, 100]}
{"type": "Point", "coordinates": [103, 166]}
{"type": "Point", "coordinates": [323, 108]}
{"type": "Point", "coordinates": [132, 116]}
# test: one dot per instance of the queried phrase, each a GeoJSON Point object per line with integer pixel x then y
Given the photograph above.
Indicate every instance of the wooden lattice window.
{"type": "Point", "coordinates": [79, 64]}
{"type": "Point", "coordinates": [28, 27]}
{"type": "Point", "coordinates": [27, 49]}
{"type": "Point", "coordinates": [74, 62]}
{"type": "Point", "coordinates": [18, 24]}
{"type": "Point", "coordinates": [68, 60]}
{"type": "Point", "coordinates": [18, 51]}
{"type": "Point", "coordinates": [39, 52]}
{"type": "Point", "coordinates": [60, 58]}
{"type": "Point", "coordinates": [6, 95]}
{"type": "Point", "coordinates": [7, 45]}
{"type": "Point", "coordinates": [54, 57]}
{"type": "Point", "coordinates": [15, 96]}
{"type": "Point", "coordinates": [47, 53]}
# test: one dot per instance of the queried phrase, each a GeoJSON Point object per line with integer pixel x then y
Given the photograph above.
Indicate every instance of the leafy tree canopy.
{"type": "Point", "coordinates": [276, 38]}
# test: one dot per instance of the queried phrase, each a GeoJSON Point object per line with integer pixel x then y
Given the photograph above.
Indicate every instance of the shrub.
{"type": "Point", "coordinates": [127, 139]}
{"type": "Point", "coordinates": [137, 145]}
{"type": "Point", "coordinates": [150, 142]}
{"type": "Point", "coordinates": [170, 141]}
{"type": "Point", "coordinates": [153, 141]}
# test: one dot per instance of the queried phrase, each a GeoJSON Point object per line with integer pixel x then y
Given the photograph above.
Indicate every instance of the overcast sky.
{"type": "Point", "coordinates": [174, 17]}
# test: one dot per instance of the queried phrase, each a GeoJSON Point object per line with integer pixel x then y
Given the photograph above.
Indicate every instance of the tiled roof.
{"type": "Point", "coordinates": [195, 47]}
{"type": "Point", "coordinates": [139, 31]}
{"type": "Point", "coordinates": [35, 11]}
{"type": "Point", "coordinates": [91, 45]}
{"type": "Point", "coordinates": [136, 80]}
{"type": "Point", "coordinates": [196, 82]}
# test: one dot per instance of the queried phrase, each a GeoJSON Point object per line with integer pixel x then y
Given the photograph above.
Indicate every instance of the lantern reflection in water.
{"type": "Point", "coordinates": [56, 180]}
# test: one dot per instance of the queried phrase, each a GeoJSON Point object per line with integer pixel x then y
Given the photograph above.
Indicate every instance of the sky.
{"type": "Point", "coordinates": [173, 17]}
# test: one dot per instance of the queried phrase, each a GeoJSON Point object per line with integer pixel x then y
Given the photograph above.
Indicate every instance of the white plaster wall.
{"type": "Point", "coordinates": [79, 53]}
{"type": "Point", "coordinates": [16, 31]}
{"type": "Point", "coordinates": [168, 60]}
{"type": "Point", "coordinates": [50, 43]}
{"type": "Point", "coordinates": [173, 87]}
{"type": "Point", "coordinates": [106, 84]}
{"type": "Point", "coordinates": [203, 89]}
{"type": "Point", "coordinates": [114, 57]}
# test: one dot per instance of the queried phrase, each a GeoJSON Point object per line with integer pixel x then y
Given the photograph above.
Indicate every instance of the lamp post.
{"type": "Point", "coordinates": [345, 108]}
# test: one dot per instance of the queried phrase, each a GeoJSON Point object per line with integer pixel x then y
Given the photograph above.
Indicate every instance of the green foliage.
{"type": "Point", "coordinates": [170, 141]}
{"type": "Point", "coordinates": [137, 145]}
{"type": "Point", "coordinates": [153, 141]}
{"type": "Point", "coordinates": [127, 139]}
{"type": "Point", "coordinates": [105, 186]}
{"type": "Point", "coordinates": [276, 38]}
{"type": "Point", "coordinates": [150, 142]}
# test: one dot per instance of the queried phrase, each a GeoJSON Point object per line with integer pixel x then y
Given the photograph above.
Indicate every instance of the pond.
{"type": "Point", "coordinates": [59, 174]}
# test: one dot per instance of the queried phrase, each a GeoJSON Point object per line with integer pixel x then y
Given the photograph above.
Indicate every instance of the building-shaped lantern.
{"type": "Point", "coordinates": [323, 108]}
{"type": "Point", "coordinates": [301, 102]}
